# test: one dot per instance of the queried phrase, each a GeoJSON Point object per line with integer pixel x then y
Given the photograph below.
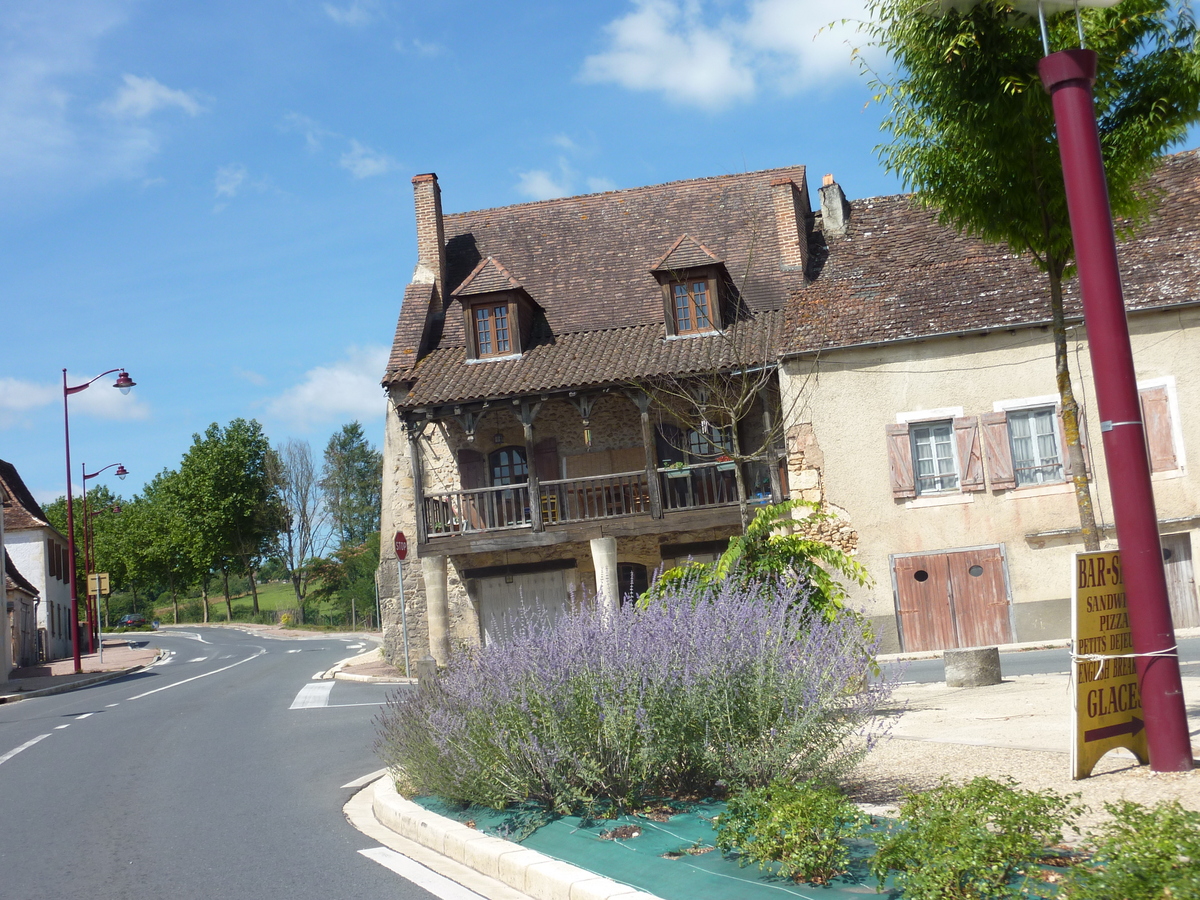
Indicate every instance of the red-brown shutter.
{"type": "Point", "coordinates": [998, 450]}
{"type": "Point", "coordinates": [52, 555]}
{"type": "Point", "coordinates": [970, 459]}
{"type": "Point", "coordinates": [1156, 416]}
{"type": "Point", "coordinates": [545, 459]}
{"type": "Point", "coordinates": [900, 463]}
{"type": "Point", "coordinates": [472, 469]}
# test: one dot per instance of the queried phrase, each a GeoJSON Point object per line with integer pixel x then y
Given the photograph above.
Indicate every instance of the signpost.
{"type": "Point", "coordinates": [97, 585]}
{"type": "Point", "coordinates": [1108, 703]}
{"type": "Point", "coordinates": [400, 542]}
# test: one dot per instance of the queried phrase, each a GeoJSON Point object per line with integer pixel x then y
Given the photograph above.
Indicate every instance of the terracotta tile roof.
{"type": "Point", "coordinates": [684, 254]}
{"type": "Point", "coordinates": [21, 511]}
{"type": "Point", "coordinates": [896, 275]}
{"type": "Point", "coordinates": [615, 356]}
{"type": "Point", "coordinates": [586, 262]}
{"type": "Point", "coordinates": [410, 327]}
{"type": "Point", "coordinates": [14, 580]}
{"type": "Point", "coordinates": [487, 277]}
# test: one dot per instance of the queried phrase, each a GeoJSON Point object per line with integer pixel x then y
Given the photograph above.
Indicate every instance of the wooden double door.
{"type": "Point", "coordinates": [954, 598]}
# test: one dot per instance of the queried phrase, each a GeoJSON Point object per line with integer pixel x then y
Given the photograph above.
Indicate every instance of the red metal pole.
{"type": "Point", "coordinates": [1068, 76]}
{"type": "Point", "coordinates": [71, 534]}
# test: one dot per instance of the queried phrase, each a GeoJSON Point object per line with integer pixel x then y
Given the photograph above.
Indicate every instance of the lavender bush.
{"type": "Point", "coordinates": [745, 685]}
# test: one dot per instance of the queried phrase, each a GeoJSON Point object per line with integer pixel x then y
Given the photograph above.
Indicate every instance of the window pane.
{"type": "Point", "coordinates": [1034, 436]}
{"type": "Point", "coordinates": [683, 315]}
{"type": "Point", "coordinates": [483, 331]}
{"type": "Point", "coordinates": [700, 298]}
{"type": "Point", "coordinates": [933, 458]}
{"type": "Point", "coordinates": [500, 317]}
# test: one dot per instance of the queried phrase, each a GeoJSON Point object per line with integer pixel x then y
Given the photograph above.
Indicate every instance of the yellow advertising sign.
{"type": "Point", "coordinates": [1108, 705]}
{"type": "Point", "coordinates": [98, 583]}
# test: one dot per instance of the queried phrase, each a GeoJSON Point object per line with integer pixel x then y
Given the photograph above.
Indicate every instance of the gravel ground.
{"type": "Point", "coordinates": [1019, 729]}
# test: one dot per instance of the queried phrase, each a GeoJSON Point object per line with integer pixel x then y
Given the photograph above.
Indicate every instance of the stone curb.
{"type": "Point", "coordinates": [373, 679]}
{"type": "Point", "coordinates": [541, 877]}
{"type": "Point", "coordinates": [99, 678]}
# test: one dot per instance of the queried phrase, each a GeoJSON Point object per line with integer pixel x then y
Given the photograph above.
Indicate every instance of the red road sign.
{"type": "Point", "coordinates": [401, 544]}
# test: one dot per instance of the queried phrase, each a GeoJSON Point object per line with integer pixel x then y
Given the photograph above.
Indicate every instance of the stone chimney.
{"type": "Point", "coordinates": [835, 211]}
{"type": "Point", "coordinates": [431, 235]}
{"type": "Point", "coordinates": [791, 223]}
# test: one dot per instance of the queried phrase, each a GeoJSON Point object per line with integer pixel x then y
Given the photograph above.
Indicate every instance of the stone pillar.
{"type": "Point", "coordinates": [604, 558]}
{"type": "Point", "coordinates": [437, 608]}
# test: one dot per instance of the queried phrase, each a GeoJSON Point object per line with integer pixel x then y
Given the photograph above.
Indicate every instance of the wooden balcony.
{"type": "Point", "coordinates": [570, 501]}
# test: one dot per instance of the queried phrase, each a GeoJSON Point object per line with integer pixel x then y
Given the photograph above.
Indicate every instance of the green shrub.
{"type": "Point", "coordinates": [971, 841]}
{"type": "Point", "coordinates": [1141, 854]}
{"type": "Point", "coordinates": [802, 827]}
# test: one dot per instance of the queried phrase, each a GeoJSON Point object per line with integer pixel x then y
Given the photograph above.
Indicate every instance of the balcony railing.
{"type": "Point", "coordinates": [695, 486]}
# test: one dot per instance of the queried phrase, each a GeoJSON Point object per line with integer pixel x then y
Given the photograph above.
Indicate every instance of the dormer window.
{"type": "Point", "coordinates": [491, 330]}
{"type": "Point", "coordinates": [691, 306]}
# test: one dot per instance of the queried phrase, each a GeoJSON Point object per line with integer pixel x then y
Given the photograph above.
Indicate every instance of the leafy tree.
{"type": "Point", "coordinates": [226, 492]}
{"type": "Point", "coordinates": [346, 580]}
{"type": "Point", "coordinates": [352, 479]}
{"type": "Point", "coordinates": [161, 547]}
{"type": "Point", "coordinates": [972, 131]}
{"type": "Point", "coordinates": [772, 548]}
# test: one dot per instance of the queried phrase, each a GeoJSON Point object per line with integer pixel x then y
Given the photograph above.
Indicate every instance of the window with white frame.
{"type": "Point", "coordinates": [1036, 454]}
{"type": "Point", "coordinates": [933, 457]}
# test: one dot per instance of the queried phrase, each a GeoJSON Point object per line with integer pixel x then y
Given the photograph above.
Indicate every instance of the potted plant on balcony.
{"type": "Point", "coordinates": [678, 469]}
{"type": "Point", "coordinates": [725, 463]}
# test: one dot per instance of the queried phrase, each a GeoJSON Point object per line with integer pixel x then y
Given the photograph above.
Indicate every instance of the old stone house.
{"type": "Point", "coordinates": [920, 368]}
{"type": "Point", "coordinates": [532, 453]}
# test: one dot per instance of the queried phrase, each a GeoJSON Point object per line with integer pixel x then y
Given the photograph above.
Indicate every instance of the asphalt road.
{"type": "Point", "coordinates": [1026, 662]}
{"type": "Point", "coordinates": [218, 773]}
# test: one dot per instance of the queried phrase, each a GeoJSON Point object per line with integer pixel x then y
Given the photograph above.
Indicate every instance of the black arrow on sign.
{"type": "Point", "coordinates": [1133, 726]}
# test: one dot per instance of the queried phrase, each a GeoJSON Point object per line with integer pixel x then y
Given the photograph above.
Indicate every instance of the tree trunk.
{"type": "Point", "coordinates": [204, 597]}
{"type": "Point", "coordinates": [299, 597]}
{"type": "Point", "coordinates": [1070, 414]}
{"type": "Point", "coordinates": [253, 587]}
{"type": "Point", "coordinates": [228, 601]}
{"type": "Point", "coordinates": [740, 478]}
{"type": "Point", "coordinates": [175, 605]}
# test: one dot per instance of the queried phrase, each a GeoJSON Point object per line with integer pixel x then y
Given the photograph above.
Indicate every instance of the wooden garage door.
{"type": "Point", "coordinates": [1181, 580]}
{"type": "Point", "coordinates": [952, 599]}
{"type": "Point", "coordinates": [503, 602]}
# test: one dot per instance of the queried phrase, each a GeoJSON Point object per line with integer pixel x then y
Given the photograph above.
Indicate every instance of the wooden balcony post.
{"type": "Point", "coordinates": [414, 456]}
{"type": "Point", "coordinates": [653, 486]}
{"type": "Point", "coordinates": [528, 413]}
{"type": "Point", "coordinates": [772, 450]}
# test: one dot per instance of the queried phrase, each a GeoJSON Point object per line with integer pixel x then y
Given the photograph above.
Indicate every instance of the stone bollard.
{"type": "Point", "coordinates": [972, 667]}
{"type": "Point", "coordinates": [426, 671]}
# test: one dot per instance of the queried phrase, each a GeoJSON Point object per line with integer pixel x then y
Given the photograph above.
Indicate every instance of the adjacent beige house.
{"type": "Point", "coordinates": [920, 371]}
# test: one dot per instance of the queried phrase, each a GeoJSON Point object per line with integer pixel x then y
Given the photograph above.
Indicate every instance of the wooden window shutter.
{"type": "Point", "coordinates": [998, 450]}
{"type": "Point", "coordinates": [52, 553]}
{"type": "Point", "coordinates": [1156, 416]}
{"type": "Point", "coordinates": [900, 466]}
{"type": "Point", "coordinates": [970, 459]}
{"type": "Point", "coordinates": [1081, 421]}
{"type": "Point", "coordinates": [472, 469]}
{"type": "Point", "coordinates": [545, 459]}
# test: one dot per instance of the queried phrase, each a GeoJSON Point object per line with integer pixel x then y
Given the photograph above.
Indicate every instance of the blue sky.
{"type": "Point", "coordinates": [216, 196]}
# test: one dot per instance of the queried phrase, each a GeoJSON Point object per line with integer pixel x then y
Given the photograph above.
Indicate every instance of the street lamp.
{"type": "Point", "coordinates": [93, 625]}
{"type": "Point", "coordinates": [123, 384]}
{"type": "Point", "coordinates": [1068, 76]}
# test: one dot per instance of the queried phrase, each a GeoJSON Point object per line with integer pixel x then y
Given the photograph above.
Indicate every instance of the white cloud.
{"type": "Point", "coordinates": [355, 14]}
{"type": "Point", "coordinates": [312, 130]}
{"type": "Point", "coordinates": [696, 57]}
{"type": "Point", "coordinates": [599, 185]}
{"type": "Point", "coordinates": [541, 185]}
{"type": "Point", "coordinates": [363, 162]}
{"type": "Point", "coordinates": [344, 390]}
{"type": "Point", "coordinates": [142, 96]}
{"type": "Point", "coordinates": [103, 401]}
{"type": "Point", "coordinates": [229, 180]}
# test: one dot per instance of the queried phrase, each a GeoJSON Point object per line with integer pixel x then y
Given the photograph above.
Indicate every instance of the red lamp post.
{"type": "Point", "coordinates": [93, 620]}
{"type": "Point", "coordinates": [123, 384]}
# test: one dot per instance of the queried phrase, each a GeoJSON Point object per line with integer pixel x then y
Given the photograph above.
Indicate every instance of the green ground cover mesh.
{"type": "Point", "coordinates": [657, 860]}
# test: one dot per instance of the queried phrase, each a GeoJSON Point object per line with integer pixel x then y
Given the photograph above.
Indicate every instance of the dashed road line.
{"type": "Point", "coordinates": [294, 651]}
{"type": "Point", "coordinates": [25, 746]}
{"type": "Point", "coordinates": [61, 727]}
{"type": "Point", "coordinates": [201, 659]}
{"type": "Point", "coordinates": [111, 705]}
{"type": "Point", "coordinates": [165, 687]}
{"type": "Point", "coordinates": [313, 695]}
{"type": "Point", "coordinates": [84, 716]}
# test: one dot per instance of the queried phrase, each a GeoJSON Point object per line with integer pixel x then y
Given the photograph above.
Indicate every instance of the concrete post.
{"type": "Point", "coordinates": [604, 558]}
{"type": "Point", "coordinates": [437, 607]}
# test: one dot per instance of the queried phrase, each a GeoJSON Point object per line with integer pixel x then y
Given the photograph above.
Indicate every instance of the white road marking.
{"type": "Point", "coordinates": [422, 877]}
{"type": "Point", "coordinates": [84, 716]}
{"type": "Point", "coordinates": [202, 659]}
{"type": "Point", "coordinates": [25, 746]}
{"type": "Point", "coordinates": [230, 655]}
{"type": "Point", "coordinates": [260, 652]}
{"type": "Point", "coordinates": [317, 677]}
{"type": "Point", "coordinates": [366, 779]}
{"type": "Point", "coordinates": [313, 695]}
{"type": "Point", "coordinates": [293, 651]}
{"type": "Point", "coordinates": [111, 705]}
{"type": "Point", "coordinates": [342, 705]}
{"type": "Point", "coordinates": [354, 647]}
{"type": "Point", "coordinates": [60, 727]}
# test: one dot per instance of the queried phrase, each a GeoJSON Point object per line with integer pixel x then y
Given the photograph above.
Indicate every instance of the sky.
{"type": "Point", "coordinates": [216, 196]}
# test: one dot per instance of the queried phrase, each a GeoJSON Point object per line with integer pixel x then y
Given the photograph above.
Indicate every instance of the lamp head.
{"type": "Point", "coordinates": [124, 382]}
{"type": "Point", "coordinates": [121, 472]}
